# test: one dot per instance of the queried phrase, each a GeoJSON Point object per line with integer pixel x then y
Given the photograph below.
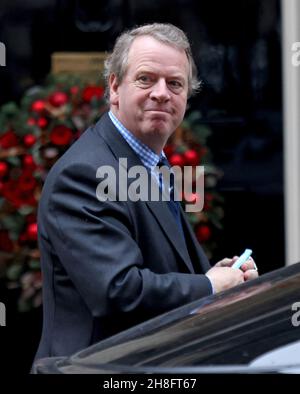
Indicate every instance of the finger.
{"type": "Point", "coordinates": [250, 274]}
{"type": "Point", "coordinates": [224, 262]}
{"type": "Point", "coordinates": [249, 265]}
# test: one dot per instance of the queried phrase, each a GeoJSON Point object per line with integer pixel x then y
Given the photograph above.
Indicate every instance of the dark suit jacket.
{"type": "Point", "coordinates": [108, 265]}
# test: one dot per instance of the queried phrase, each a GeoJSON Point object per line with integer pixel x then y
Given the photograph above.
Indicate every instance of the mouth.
{"type": "Point", "coordinates": [161, 111]}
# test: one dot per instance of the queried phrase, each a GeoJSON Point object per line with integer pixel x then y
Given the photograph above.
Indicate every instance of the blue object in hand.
{"type": "Point", "coordinates": [242, 259]}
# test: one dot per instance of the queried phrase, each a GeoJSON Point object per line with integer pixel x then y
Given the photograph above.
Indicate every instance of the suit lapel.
{"type": "Point", "coordinates": [121, 149]}
{"type": "Point", "coordinates": [166, 220]}
{"type": "Point", "coordinates": [198, 252]}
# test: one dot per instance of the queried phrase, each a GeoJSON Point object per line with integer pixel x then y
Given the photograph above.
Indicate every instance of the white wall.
{"type": "Point", "coordinates": [291, 110]}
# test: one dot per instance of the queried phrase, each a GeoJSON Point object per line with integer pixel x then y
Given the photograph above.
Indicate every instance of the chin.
{"type": "Point", "coordinates": [160, 125]}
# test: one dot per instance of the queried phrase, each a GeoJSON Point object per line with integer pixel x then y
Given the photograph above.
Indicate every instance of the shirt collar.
{"type": "Point", "coordinates": [149, 158]}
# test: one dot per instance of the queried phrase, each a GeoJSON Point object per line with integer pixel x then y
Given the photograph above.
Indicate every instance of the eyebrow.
{"type": "Point", "coordinates": [151, 71]}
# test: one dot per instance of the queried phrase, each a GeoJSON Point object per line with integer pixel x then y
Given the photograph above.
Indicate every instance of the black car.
{"type": "Point", "coordinates": [251, 328]}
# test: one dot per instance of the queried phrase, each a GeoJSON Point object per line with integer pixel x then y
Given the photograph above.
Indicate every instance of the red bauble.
{"type": "Point", "coordinates": [29, 140]}
{"type": "Point", "coordinates": [29, 162]}
{"type": "Point", "coordinates": [32, 231]}
{"type": "Point", "coordinates": [38, 106]}
{"type": "Point", "coordinates": [3, 168]}
{"type": "Point", "coordinates": [42, 122]}
{"type": "Point", "coordinates": [57, 99]}
{"type": "Point", "coordinates": [26, 182]}
{"type": "Point", "coordinates": [92, 91]}
{"type": "Point", "coordinates": [169, 150]}
{"type": "Point", "coordinates": [177, 160]}
{"type": "Point", "coordinates": [12, 193]}
{"type": "Point", "coordinates": [61, 135]}
{"type": "Point", "coordinates": [203, 233]}
{"type": "Point", "coordinates": [191, 157]}
{"type": "Point", "coordinates": [8, 140]}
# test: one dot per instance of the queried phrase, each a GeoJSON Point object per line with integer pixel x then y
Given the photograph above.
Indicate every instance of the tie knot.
{"type": "Point", "coordinates": [170, 184]}
{"type": "Point", "coordinates": [163, 161]}
{"type": "Point", "coordinates": [166, 177]}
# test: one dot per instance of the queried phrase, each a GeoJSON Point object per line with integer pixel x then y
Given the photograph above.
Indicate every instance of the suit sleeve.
{"type": "Point", "coordinates": [94, 242]}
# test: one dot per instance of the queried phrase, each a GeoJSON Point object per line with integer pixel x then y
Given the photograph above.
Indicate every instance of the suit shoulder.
{"type": "Point", "coordinates": [89, 149]}
{"type": "Point", "coordinates": [82, 159]}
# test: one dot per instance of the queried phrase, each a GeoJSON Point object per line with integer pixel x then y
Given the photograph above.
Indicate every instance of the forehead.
{"type": "Point", "coordinates": [147, 51]}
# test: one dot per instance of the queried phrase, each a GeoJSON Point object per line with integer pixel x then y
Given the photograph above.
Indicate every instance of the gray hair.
{"type": "Point", "coordinates": [117, 62]}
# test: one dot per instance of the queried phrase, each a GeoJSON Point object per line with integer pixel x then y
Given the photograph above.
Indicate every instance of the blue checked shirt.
{"type": "Point", "coordinates": [149, 158]}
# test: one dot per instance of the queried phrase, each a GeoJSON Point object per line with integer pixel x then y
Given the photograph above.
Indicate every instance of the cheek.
{"type": "Point", "coordinates": [181, 105]}
{"type": "Point", "coordinates": [131, 99]}
{"type": "Point", "coordinates": [137, 104]}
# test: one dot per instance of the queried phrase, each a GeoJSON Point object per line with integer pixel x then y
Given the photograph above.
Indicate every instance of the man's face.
{"type": "Point", "coordinates": [151, 99]}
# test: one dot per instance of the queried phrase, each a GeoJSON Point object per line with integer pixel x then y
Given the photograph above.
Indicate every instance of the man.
{"type": "Point", "coordinates": [108, 265]}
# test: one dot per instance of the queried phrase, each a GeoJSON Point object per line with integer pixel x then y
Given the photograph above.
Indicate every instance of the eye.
{"type": "Point", "coordinates": [175, 84]}
{"type": "Point", "coordinates": [144, 79]}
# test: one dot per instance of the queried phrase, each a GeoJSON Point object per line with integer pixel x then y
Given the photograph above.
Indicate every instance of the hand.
{"type": "Point", "coordinates": [223, 277]}
{"type": "Point", "coordinates": [249, 267]}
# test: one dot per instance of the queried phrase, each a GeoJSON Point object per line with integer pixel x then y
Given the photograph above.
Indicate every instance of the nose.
{"type": "Point", "coordinates": [160, 91]}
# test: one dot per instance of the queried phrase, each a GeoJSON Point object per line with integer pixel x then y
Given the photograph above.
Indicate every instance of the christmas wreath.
{"type": "Point", "coordinates": [34, 134]}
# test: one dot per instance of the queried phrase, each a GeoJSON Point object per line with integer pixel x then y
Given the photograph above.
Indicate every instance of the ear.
{"type": "Point", "coordinates": [113, 90]}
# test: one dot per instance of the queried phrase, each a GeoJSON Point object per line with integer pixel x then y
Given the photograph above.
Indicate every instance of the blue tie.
{"type": "Point", "coordinates": [172, 204]}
